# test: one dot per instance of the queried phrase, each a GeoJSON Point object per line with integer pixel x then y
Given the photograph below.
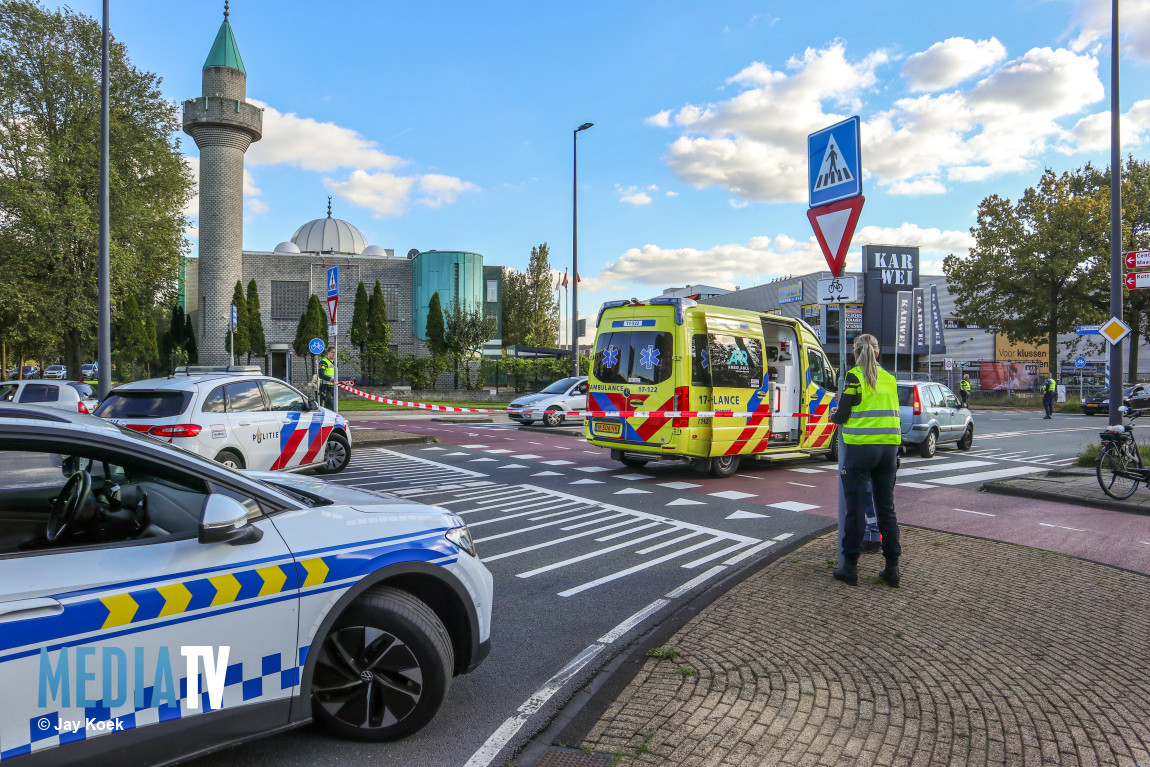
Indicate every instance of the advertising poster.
{"type": "Point", "coordinates": [937, 342]}
{"type": "Point", "coordinates": [1002, 376]}
{"type": "Point", "coordinates": [919, 321]}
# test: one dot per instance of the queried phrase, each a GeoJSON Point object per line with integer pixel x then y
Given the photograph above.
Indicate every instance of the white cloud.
{"type": "Point", "coordinates": [289, 139]}
{"type": "Point", "coordinates": [738, 204]}
{"type": "Point", "coordinates": [384, 193]}
{"type": "Point", "coordinates": [762, 258]}
{"type": "Point", "coordinates": [948, 63]}
{"type": "Point", "coordinates": [1092, 133]}
{"type": "Point", "coordinates": [258, 206]}
{"type": "Point", "coordinates": [661, 120]}
{"type": "Point", "coordinates": [250, 187]}
{"type": "Point", "coordinates": [1092, 22]}
{"type": "Point", "coordinates": [437, 189]}
{"type": "Point", "coordinates": [753, 145]}
{"type": "Point", "coordinates": [192, 206]}
{"type": "Point", "coordinates": [672, 193]}
{"type": "Point", "coordinates": [633, 195]}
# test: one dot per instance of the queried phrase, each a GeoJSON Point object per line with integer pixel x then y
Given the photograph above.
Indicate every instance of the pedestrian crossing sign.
{"type": "Point", "coordinates": [835, 163]}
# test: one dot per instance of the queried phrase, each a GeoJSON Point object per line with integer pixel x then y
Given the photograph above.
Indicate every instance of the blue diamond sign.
{"type": "Point", "coordinates": [834, 162]}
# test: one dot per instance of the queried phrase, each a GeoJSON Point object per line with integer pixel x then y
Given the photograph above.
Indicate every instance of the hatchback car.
{"type": "Point", "coordinates": [1100, 404]}
{"type": "Point", "coordinates": [930, 414]}
{"type": "Point", "coordinates": [553, 404]}
{"type": "Point", "coordinates": [156, 604]}
{"type": "Point", "coordinates": [76, 396]}
{"type": "Point", "coordinates": [55, 371]}
{"type": "Point", "coordinates": [89, 370]}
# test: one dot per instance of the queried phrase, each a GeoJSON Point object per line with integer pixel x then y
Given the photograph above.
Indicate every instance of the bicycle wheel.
{"type": "Point", "coordinates": [1113, 462]}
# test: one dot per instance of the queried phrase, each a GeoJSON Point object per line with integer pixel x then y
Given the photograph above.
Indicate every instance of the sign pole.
{"type": "Point", "coordinates": [1115, 358]}
{"type": "Point", "coordinates": [842, 346]}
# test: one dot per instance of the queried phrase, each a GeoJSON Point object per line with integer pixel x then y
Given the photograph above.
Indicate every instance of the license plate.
{"type": "Point", "coordinates": [607, 428]}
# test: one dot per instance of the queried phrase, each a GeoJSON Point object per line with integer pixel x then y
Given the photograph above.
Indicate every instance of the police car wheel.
{"type": "Point", "coordinates": [927, 447]}
{"type": "Point", "coordinates": [724, 466]}
{"type": "Point", "coordinates": [553, 417]}
{"type": "Point", "coordinates": [230, 459]}
{"type": "Point", "coordinates": [967, 439]}
{"type": "Point", "coordinates": [383, 669]}
{"type": "Point", "coordinates": [336, 454]}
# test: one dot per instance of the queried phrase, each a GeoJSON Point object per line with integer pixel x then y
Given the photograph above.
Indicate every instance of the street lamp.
{"type": "Point", "coordinates": [575, 250]}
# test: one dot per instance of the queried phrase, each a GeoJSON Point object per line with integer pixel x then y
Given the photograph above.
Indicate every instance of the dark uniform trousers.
{"type": "Point", "coordinates": [874, 466]}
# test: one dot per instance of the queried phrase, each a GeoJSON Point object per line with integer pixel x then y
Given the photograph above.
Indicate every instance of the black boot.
{"type": "Point", "coordinates": [890, 572]}
{"type": "Point", "coordinates": [848, 573]}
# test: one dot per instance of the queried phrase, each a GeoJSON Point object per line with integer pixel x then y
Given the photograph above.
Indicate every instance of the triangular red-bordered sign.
{"type": "Point", "coordinates": [332, 303]}
{"type": "Point", "coordinates": [834, 226]}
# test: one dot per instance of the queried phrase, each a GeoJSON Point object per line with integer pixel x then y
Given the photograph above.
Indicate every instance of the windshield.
{"type": "Point", "coordinates": [561, 386]}
{"type": "Point", "coordinates": [144, 404]}
{"type": "Point", "coordinates": [639, 357]}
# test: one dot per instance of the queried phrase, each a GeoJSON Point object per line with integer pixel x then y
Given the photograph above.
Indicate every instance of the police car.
{"type": "Point", "coordinates": [156, 605]}
{"type": "Point", "coordinates": [236, 416]}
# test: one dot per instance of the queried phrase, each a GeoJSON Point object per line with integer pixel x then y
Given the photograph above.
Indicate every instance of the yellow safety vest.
{"type": "Point", "coordinates": [326, 371]}
{"type": "Point", "coordinates": [875, 419]}
{"type": "Point", "coordinates": [965, 385]}
{"type": "Point", "coordinates": [1049, 386]}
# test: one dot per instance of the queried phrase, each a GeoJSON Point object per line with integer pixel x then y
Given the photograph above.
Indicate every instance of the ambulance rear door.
{"type": "Point", "coordinates": [735, 351]}
{"type": "Point", "coordinates": [633, 369]}
{"type": "Point", "coordinates": [818, 397]}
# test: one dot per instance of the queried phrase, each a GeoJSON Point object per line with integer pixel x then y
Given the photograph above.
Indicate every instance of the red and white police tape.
{"type": "Point", "coordinates": [583, 413]}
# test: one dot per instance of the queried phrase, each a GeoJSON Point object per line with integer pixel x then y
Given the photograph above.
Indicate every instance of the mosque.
{"type": "Point", "coordinates": [223, 125]}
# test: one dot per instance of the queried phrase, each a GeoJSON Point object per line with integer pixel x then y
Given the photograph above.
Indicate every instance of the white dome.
{"type": "Point", "coordinates": [287, 247]}
{"type": "Point", "coordinates": [329, 235]}
{"type": "Point", "coordinates": [374, 250]}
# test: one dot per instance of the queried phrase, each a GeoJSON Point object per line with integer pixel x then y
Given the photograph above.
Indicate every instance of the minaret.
{"type": "Point", "coordinates": [223, 125]}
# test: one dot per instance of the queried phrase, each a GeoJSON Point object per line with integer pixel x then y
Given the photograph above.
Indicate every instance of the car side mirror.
{"type": "Point", "coordinates": [225, 520]}
{"type": "Point", "coordinates": [312, 404]}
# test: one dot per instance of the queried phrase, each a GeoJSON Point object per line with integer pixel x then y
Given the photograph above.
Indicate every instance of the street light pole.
{"type": "Point", "coordinates": [1115, 221]}
{"type": "Point", "coordinates": [103, 268]}
{"type": "Point", "coordinates": [575, 249]}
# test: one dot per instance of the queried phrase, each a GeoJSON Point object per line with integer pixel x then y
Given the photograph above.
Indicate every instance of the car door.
{"type": "Point", "coordinates": [943, 414]}
{"type": "Point", "coordinates": [45, 394]}
{"type": "Point", "coordinates": [254, 427]}
{"type": "Point", "coordinates": [97, 634]}
{"type": "Point", "coordinates": [301, 433]}
{"type": "Point", "coordinates": [576, 399]}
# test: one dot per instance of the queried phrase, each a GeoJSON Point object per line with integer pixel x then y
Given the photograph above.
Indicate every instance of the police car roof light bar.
{"type": "Point", "coordinates": [191, 370]}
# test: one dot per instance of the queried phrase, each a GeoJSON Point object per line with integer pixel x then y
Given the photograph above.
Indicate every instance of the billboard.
{"type": "Point", "coordinates": [1006, 350]}
{"type": "Point", "coordinates": [791, 293]}
{"type": "Point", "coordinates": [1002, 376]}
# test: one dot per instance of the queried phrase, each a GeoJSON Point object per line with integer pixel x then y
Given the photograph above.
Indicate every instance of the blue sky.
{"type": "Point", "coordinates": [447, 125]}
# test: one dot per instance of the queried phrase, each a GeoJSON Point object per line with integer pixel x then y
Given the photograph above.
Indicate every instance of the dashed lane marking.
{"type": "Point", "coordinates": [1062, 527]}
{"type": "Point", "coordinates": [979, 513]}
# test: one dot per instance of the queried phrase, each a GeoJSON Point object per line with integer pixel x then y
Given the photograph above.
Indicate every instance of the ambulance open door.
{"type": "Point", "coordinates": [735, 351]}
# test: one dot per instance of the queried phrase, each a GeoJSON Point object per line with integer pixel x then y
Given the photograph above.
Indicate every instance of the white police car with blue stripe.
{"type": "Point", "coordinates": [156, 605]}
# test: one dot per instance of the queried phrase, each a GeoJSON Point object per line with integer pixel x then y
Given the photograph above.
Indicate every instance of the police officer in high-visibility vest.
{"type": "Point", "coordinates": [868, 414]}
{"type": "Point", "coordinates": [1049, 387]}
{"type": "Point", "coordinates": [327, 379]}
{"type": "Point", "coordinates": [964, 390]}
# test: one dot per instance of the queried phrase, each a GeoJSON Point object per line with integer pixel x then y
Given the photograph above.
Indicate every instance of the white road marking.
{"type": "Point", "coordinates": [632, 477]}
{"type": "Point", "coordinates": [537, 527]}
{"type": "Point", "coordinates": [633, 621]}
{"type": "Point", "coordinates": [679, 485]}
{"type": "Point", "coordinates": [478, 460]}
{"type": "Point", "coordinates": [1062, 527]}
{"type": "Point", "coordinates": [749, 552]}
{"type": "Point", "coordinates": [593, 469]}
{"type": "Point", "coordinates": [433, 448]}
{"type": "Point", "coordinates": [792, 506]}
{"type": "Point", "coordinates": [557, 462]}
{"type": "Point", "coordinates": [586, 482]}
{"type": "Point", "coordinates": [501, 451]}
{"type": "Point", "coordinates": [631, 570]}
{"type": "Point", "coordinates": [437, 464]}
{"type": "Point", "coordinates": [918, 485]}
{"type": "Point", "coordinates": [474, 447]}
{"type": "Point", "coordinates": [783, 536]}
{"type": "Point", "coordinates": [512, 466]}
{"type": "Point", "coordinates": [671, 542]}
{"type": "Point", "coordinates": [564, 539]}
{"type": "Point", "coordinates": [942, 467]}
{"type": "Point", "coordinates": [620, 534]}
{"type": "Point", "coordinates": [747, 515]}
{"type": "Point", "coordinates": [802, 470]}
{"type": "Point", "coordinates": [631, 491]}
{"type": "Point", "coordinates": [685, 502]}
{"type": "Point", "coordinates": [733, 495]}
{"type": "Point", "coordinates": [717, 555]}
{"type": "Point", "coordinates": [699, 579]}
{"type": "Point", "coordinates": [986, 475]}
{"type": "Point", "coordinates": [525, 456]}
{"type": "Point", "coordinates": [799, 484]}
{"type": "Point", "coordinates": [979, 513]}
{"type": "Point", "coordinates": [547, 474]}
{"type": "Point", "coordinates": [593, 554]}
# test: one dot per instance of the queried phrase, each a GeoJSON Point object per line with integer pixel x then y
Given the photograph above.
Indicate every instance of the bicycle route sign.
{"type": "Point", "coordinates": [837, 290]}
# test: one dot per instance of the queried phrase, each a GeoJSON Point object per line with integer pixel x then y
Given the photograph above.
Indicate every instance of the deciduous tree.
{"type": "Point", "coordinates": [530, 309]}
{"type": "Point", "coordinates": [468, 328]}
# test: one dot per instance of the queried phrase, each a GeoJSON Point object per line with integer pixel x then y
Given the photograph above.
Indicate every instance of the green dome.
{"type": "Point", "coordinates": [225, 52]}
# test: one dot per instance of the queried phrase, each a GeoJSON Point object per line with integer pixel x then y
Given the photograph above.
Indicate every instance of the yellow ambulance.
{"type": "Point", "coordinates": [672, 354]}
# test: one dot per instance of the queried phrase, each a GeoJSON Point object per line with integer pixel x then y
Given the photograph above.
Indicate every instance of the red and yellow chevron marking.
{"type": "Point", "coordinates": [818, 429]}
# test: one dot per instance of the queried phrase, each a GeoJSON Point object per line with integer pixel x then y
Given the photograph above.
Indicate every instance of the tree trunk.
{"type": "Point", "coordinates": [72, 349]}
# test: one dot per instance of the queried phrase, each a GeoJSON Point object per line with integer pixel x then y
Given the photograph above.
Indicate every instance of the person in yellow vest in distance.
{"type": "Point", "coordinates": [964, 390]}
{"type": "Point", "coordinates": [868, 414]}
{"type": "Point", "coordinates": [327, 379]}
{"type": "Point", "coordinates": [1049, 387]}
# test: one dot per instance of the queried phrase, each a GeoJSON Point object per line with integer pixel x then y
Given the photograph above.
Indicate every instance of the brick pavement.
{"type": "Point", "coordinates": [989, 654]}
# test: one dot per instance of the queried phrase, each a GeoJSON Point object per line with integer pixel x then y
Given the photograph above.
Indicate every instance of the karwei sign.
{"type": "Point", "coordinates": [895, 266]}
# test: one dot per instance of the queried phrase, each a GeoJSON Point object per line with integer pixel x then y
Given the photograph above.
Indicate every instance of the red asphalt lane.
{"type": "Point", "coordinates": [1109, 537]}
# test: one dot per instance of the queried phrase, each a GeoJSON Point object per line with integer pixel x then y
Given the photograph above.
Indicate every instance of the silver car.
{"type": "Point", "coordinates": [553, 404]}
{"type": "Point", "coordinates": [75, 396]}
{"type": "Point", "coordinates": [931, 414]}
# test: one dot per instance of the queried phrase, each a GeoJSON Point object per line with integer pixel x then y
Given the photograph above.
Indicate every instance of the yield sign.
{"type": "Point", "coordinates": [834, 226]}
{"type": "Point", "coordinates": [332, 303]}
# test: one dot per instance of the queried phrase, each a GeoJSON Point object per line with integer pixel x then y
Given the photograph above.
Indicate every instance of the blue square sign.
{"type": "Point", "coordinates": [834, 163]}
{"type": "Point", "coordinates": [333, 282]}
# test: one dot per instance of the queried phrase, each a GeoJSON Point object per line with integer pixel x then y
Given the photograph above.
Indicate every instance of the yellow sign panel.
{"type": "Point", "coordinates": [1114, 330]}
{"type": "Point", "coordinates": [1008, 351]}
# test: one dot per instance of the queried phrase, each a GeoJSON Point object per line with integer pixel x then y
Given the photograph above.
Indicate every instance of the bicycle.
{"type": "Point", "coordinates": [1120, 468]}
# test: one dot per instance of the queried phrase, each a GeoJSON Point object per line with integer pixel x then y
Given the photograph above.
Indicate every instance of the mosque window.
{"type": "Point", "coordinates": [289, 299]}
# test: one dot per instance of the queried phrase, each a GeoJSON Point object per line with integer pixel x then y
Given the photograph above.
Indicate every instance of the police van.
{"type": "Point", "coordinates": [671, 354]}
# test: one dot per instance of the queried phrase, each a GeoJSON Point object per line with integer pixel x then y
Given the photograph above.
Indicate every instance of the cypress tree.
{"type": "Point", "coordinates": [241, 334]}
{"type": "Point", "coordinates": [435, 333]}
{"type": "Point", "coordinates": [257, 343]}
{"type": "Point", "coordinates": [359, 318]}
{"type": "Point", "coordinates": [190, 340]}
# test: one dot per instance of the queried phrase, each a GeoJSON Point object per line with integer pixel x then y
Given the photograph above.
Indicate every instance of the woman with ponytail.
{"type": "Point", "coordinates": [868, 418]}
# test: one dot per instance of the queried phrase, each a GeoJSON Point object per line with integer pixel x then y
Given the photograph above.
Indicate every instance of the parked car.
{"type": "Point", "coordinates": [75, 396]}
{"type": "Point", "coordinates": [55, 371]}
{"type": "Point", "coordinates": [931, 414]}
{"type": "Point", "coordinates": [1101, 403]}
{"type": "Point", "coordinates": [552, 405]}
{"type": "Point", "coordinates": [30, 372]}
{"type": "Point", "coordinates": [89, 371]}
{"type": "Point", "coordinates": [321, 602]}
{"type": "Point", "coordinates": [236, 416]}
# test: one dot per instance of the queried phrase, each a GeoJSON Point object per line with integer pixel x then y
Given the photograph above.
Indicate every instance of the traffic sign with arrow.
{"type": "Point", "coordinates": [1138, 280]}
{"type": "Point", "coordinates": [1138, 259]}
